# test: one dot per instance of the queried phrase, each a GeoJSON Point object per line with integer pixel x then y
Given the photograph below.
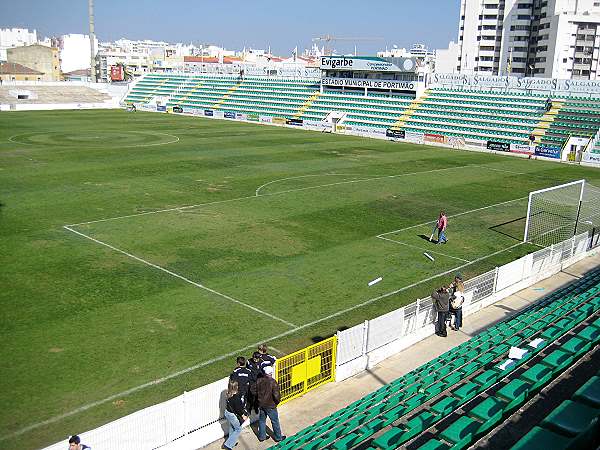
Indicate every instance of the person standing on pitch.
{"type": "Point", "coordinates": [441, 225]}
{"type": "Point", "coordinates": [267, 392]}
{"type": "Point", "coordinates": [441, 300]}
{"type": "Point", "coordinates": [235, 413]}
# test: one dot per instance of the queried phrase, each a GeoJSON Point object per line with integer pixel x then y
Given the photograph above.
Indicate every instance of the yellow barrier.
{"type": "Point", "coordinates": [306, 369]}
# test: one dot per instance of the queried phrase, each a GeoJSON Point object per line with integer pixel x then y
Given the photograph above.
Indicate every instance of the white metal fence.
{"type": "Point", "coordinates": [195, 418]}
{"type": "Point", "coordinates": [365, 345]}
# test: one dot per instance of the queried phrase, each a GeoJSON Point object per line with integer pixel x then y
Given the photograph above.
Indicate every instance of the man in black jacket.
{"type": "Point", "coordinates": [243, 376]}
{"type": "Point", "coordinates": [441, 301]}
{"type": "Point", "coordinates": [256, 372]}
{"type": "Point", "coordinates": [266, 359]}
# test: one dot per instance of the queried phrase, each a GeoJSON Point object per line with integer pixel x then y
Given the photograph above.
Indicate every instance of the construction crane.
{"type": "Point", "coordinates": [329, 38]}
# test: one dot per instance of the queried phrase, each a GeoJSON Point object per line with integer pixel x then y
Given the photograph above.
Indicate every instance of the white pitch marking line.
{"type": "Point", "coordinates": [263, 195]}
{"type": "Point", "coordinates": [279, 352]}
{"type": "Point", "coordinates": [235, 352]}
{"type": "Point", "coordinates": [423, 249]}
{"type": "Point", "coordinates": [306, 176]}
{"type": "Point", "coordinates": [10, 139]}
{"type": "Point", "coordinates": [453, 215]}
{"type": "Point", "coordinates": [187, 280]}
{"type": "Point", "coordinates": [504, 170]}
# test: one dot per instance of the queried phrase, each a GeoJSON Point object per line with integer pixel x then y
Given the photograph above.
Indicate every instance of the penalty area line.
{"type": "Point", "coordinates": [423, 249]}
{"type": "Point", "coordinates": [181, 277]}
{"type": "Point", "coordinates": [235, 352]}
{"type": "Point", "coordinates": [453, 215]}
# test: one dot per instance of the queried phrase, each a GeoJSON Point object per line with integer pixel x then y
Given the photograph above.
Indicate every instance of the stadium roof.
{"type": "Point", "coordinates": [10, 68]}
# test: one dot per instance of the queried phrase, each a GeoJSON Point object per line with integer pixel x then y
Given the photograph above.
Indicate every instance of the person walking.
{"type": "Point", "coordinates": [266, 359]}
{"type": "Point", "coordinates": [256, 372]}
{"type": "Point", "coordinates": [267, 391]}
{"type": "Point", "coordinates": [456, 301]}
{"type": "Point", "coordinates": [440, 225]}
{"type": "Point", "coordinates": [242, 375]}
{"type": "Point", "coordinates": [441, 300]}
{"type": "Point", "coordinates": [235, 413]}
{"type": "Point", "coordinates": [75, 444]}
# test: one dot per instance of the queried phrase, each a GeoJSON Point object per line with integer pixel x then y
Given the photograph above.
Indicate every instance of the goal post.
{"type": "Point", "coordinates": [554, 213]}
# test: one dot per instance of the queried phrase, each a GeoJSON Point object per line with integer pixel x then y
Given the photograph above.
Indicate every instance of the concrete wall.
{"type": "Point", "coordinates": [37, 57]}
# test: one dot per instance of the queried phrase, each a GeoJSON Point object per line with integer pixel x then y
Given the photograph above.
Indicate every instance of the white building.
{"type": "Point", "coordinates": [75, 52]}
{"type": "Point", "coordinates": [543, 38]}
{"type": "Point", "coordinates": [419, 51]}
{"type": "Point", "coordinates": [15, 37]}
{"type": "Point", "coordinates": [137, 64]}
{"type": "Point", "coordinates": [446, 58]}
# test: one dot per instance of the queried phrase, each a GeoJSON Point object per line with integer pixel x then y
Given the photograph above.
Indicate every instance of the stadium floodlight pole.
{"type": "Point", "coordinates": [92, 41]}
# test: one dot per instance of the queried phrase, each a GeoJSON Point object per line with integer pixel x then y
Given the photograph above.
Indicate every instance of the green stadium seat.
{"type": "Point", "coordinates": [434, 444]}
{"type": "Point", "coordinates": [538, 375]}
{"type": "Point", "coordinates": [514, 392]}
{"type": "Point", "coordinates": [540, 438]}
{"type": "Point", "coordinates": [590, 333]}
{"type": "Point", "coordinates": [487, 378]}
{"type": "Point", "coordinates": [558, 360]}
{"type": "Point", "coordinates": [589, 393]}
{"type": "Point", "coordinates": [576, 345]}
{"type": "Point", "coordinates": [466, 392]}
{"type": "Point", "coordinates": [390, 439]}
{"type": "Point", "coordinates": [417, 424]}
{"type": "Point", "coordinates": [461, 432]}
{"type": "Point", "coordinates": [348, 441]}
{"type": "Point", "coordinates": [489, 412]}
{"type": "Point", "coordinates": [571, 418]}
{"type": "Point", "coordinates": [444, 406]}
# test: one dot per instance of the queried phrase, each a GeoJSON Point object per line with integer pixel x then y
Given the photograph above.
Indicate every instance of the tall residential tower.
{"type": "Point", "coordinates": [541, 38]}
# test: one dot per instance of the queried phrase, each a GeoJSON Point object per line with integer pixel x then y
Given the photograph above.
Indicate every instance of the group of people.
{"type": "Point", "coordinates": [252, 387]}
{"type": "Point", "coordinates": [448, 302]}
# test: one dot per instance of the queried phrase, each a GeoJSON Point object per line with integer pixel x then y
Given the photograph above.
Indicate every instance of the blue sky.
{"type": "Point", "coordinates": [282, 24]}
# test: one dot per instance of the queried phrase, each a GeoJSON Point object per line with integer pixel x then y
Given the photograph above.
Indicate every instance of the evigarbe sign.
{"type": "Point", "coordinates": [368, 64]}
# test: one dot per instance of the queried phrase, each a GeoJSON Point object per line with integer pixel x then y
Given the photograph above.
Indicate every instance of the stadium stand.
{"type": "Point", "coordinates": [510, 117]}
{"type": "Point", "coordinates": [49, 94]}
{"type": "Point", "coordinates": [478, 379]}
{"type": "Point", "coordinates": [502, 117]}
{"type": "Point", "coordinates": [575, 423]}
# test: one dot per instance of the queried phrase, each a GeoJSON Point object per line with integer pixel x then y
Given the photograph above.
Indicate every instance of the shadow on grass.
{"type": "Point", "coordinates": [513, 229]}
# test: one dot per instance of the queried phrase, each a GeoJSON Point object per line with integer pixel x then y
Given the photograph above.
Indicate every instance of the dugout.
{"type": "Point", "coordinates": [369, 75]}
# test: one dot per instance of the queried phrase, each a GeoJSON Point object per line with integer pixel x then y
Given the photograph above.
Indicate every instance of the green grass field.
{"type": "Point", "coordinates": [191, 240]}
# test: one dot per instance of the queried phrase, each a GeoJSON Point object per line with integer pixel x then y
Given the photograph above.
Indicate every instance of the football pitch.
{"type": "Point", "coordinates": [142, 252]}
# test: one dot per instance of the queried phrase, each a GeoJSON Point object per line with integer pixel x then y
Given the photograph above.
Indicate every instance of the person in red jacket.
{"type": "Point", "coordinates": [268, 396]}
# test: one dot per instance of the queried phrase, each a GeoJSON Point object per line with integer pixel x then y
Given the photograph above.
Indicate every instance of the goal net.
{"type": "Point", "coordinates": [553, 213]}
{"type": "Point", "coordinates": [589, 215]}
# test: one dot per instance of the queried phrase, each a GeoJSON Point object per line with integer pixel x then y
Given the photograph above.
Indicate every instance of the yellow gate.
{"type": "Point", "coordinates": [306, 369]}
